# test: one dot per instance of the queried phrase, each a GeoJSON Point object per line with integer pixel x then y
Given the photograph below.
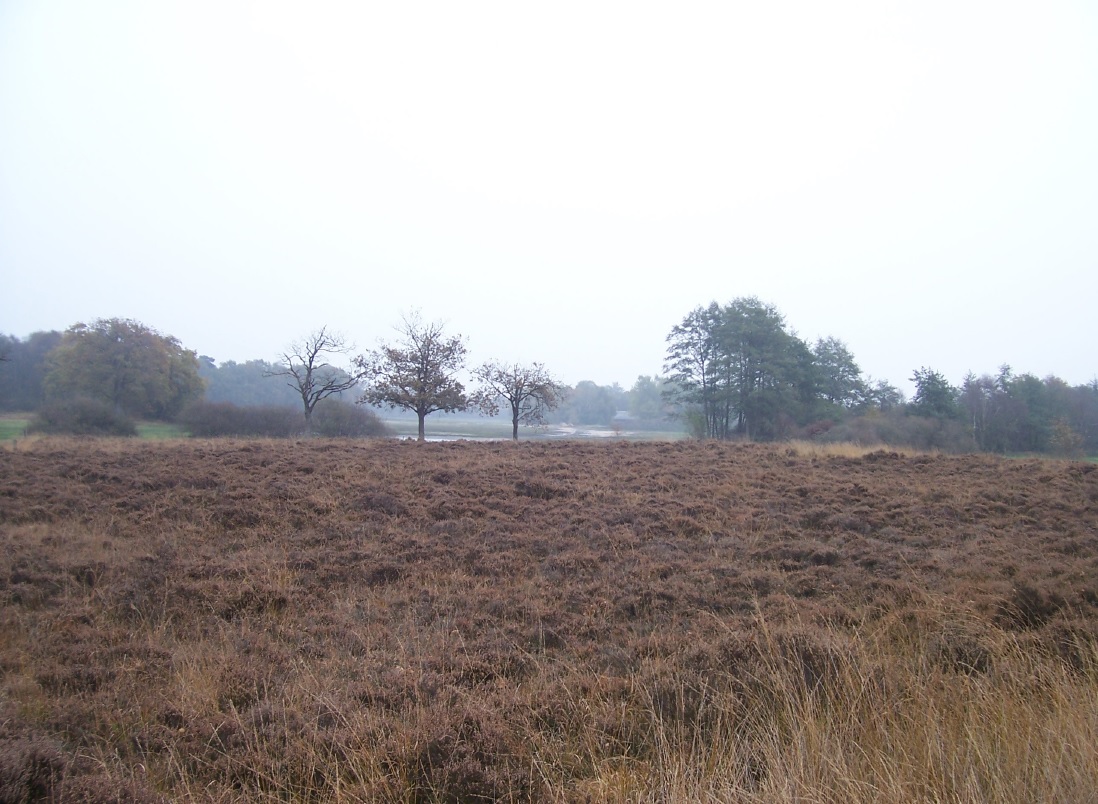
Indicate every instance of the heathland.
{"type": "Point", "coordinates": [552, 621]}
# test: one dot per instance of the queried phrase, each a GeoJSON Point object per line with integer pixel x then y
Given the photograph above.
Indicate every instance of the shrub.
{"type": "Point", "coordinates": [29, 767]}
{"type": "Point", "coordinates": [900, 430]}
{"type": "Point", "coordinates": [82, 416]}
{"type": "Point", "coordinates": [218, 419]}
{"type": "Point", "coordinates": [336, 419]}
{"type": "Point", "coordinates": [330, 418]}
{"type": "Point", "coordinates": [1066, 441]}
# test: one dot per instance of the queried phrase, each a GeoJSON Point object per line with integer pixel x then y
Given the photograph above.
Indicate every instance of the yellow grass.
{"type": "Point", "coordinates": [845, 449]}
{"type": "Point", "coordinates": [885, 722]}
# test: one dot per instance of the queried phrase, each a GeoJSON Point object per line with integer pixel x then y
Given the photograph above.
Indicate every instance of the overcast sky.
{"type": "Point", "coordinates": [559, 182]}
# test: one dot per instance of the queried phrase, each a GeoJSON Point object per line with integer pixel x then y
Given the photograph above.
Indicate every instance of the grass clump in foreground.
{"type": "Point", "coordinates": [382, 621]}
{"type": "Point", "coordinates": [881, 716]}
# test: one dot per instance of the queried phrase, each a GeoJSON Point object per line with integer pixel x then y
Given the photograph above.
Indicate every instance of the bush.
{"type": "Point", "coordinates": [330, 418]}
{"type": "Point", "coordinates": [896, 429]}
{"type": "Point", "coordinates": [1066, 441]}
{"type": "Point", "coordinates": [217, 419]}
{"type": "Point", "coordinates": [335, 419]}
{"type": "Point", "coordinates": [82, 416]}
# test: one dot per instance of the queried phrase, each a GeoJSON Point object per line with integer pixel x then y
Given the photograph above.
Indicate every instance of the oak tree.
{"type": "Point", "coordinates": [529, 391]}
{"type": "Point", "coordinates": [418, 373]}
{"type": "Point", "coordinates": [310, 374]}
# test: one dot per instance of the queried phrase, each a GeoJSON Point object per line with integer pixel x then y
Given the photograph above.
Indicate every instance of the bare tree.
{"type": "Point", "coordinates": [419, 373]}
{"type": "Point", "coordinates": [311, 375]}
{"type": "Point", "coordinates": [529, 390]}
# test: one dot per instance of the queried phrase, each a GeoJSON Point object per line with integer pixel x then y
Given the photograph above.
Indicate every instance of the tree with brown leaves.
{"type": "Point", "coordinates": [418, 373]}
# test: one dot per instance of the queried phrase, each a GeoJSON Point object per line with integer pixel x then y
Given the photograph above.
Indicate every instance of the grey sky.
{"type": "Point", "coordinates": [560, 182]}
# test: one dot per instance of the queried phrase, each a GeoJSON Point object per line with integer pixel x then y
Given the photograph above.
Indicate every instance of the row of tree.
{"type": "Point", "coordinates": [1011, 413]}
{"type": "Point", "coordinates": [418, 373]}
{"type": "Point", "coordinates": [255, 383]}
{"type": "Point", "coordinates": [138, 372]}
{"type": "Point", "coordinates": [732, 371]}
{"type": "Point", "coordinates": [738, 371]}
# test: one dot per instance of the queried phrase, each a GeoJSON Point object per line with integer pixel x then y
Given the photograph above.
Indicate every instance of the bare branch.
{"type": "Point", "coordinates": [313, 377]}
{"type": "Point", "coordinates": [529, 391]}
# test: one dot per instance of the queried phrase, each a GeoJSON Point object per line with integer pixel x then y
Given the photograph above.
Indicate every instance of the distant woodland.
{"type": "Point", "coordinates": [731, 372]}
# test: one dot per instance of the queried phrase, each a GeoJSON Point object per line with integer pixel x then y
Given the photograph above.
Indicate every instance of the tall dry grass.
{"type": "Point", "coordinates": [880, 716]}
{"type": "Point", "coordinates": [844, 449]}
{"type": "Point", "coordinates": [888, 715]}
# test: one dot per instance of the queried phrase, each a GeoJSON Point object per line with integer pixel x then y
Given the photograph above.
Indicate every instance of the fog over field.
{"type": "Point", "coordinates": [559, 184]}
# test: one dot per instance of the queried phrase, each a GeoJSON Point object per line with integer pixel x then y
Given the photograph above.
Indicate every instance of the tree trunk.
{"type": "Point", "coordinates": [308, 424]}
{"type": "Point", "coordinates": [422, 437]}
{"type": "Point", "coordinates": [514, 427]}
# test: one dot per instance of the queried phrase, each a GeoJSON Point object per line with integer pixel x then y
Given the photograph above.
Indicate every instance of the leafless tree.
{"type": "Point", "coordinates": [306, 365]}
{"type": "Point", "coordinates": [530, 392]}
{"type": "Point", "coordinates": [419, 373]}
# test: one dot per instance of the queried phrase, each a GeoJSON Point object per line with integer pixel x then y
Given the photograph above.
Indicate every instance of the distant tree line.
{"type": "Point", "coordinates": [731, 371]}
{"type": "Point", "coordinates": [22, 375]}
{"type": "Point", "coordinates": [737, 371]}
{"type": "Point", "coordinates": [99, 378]}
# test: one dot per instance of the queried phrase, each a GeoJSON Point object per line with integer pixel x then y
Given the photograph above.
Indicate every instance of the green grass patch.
{"type": "Point", "coordinates": [13, 427]}
{"type": "Point", "coordinates": [446, 428]}
{"type": "Point", "coordinates": [157, 431]}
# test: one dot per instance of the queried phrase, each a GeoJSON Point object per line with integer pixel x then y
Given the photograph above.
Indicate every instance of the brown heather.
{"type": "Point", "coordinates": [568, 621]}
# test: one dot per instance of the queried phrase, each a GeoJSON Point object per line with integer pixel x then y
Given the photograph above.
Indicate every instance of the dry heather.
{"type": "Point", "coordinates": [544, 622]}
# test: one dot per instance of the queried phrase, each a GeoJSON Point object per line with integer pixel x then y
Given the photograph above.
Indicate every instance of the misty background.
{"type": "Point", "coordinates": [558, 184]}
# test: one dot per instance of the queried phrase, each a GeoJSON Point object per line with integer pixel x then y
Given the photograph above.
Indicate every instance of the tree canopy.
{"type": "Point", "coordinates": [739, 369]}
{"type": "Point", "coordinates": [837, 374]}
{"type": "Point", "coordinates": [934, 398]}
{"type": "Point", "coordinates": [126, 364]}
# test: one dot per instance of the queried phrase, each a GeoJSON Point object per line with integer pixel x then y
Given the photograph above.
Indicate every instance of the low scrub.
{"type": "Point", "coordinates": [553, 621]}
{"type": "Point", "coordinates": [335, 419]}
{"type": "Point", "coordinates": [81, 416]}
{"type": "Point", "coordinates": [221, 419]}
{"type": "Point", "coordinates": [331, 419]}
{"type": "Point", "coordinates": [897, 429]}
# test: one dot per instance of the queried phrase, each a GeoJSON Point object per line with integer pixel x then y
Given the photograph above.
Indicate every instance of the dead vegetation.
{"type": "Point", "coordinates": [566, 621]}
